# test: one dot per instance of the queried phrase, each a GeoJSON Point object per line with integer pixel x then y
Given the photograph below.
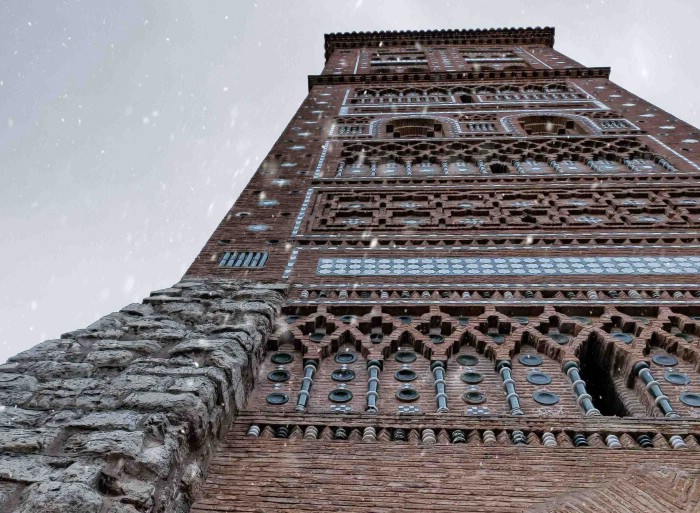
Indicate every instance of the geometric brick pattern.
{"type": "Point", "coordinates": [300, 475]}
{"type": "Point", "coordinates": [645, 488]}
{"type": "Point", "coordinates": [493, 258]}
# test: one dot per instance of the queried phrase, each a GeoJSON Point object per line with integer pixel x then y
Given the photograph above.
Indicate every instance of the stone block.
{"type": "Point", "coordinates": [25, 441]}
{"type": "Point", "coordinates": [260, 308]}
{"type": "Point", "coordinates": [108, 420]}
{"type": "Point", "coordinates": [63, 393]}
{"type": "Point", "coordinates": [105, 398]}
{"type": "Point", "coordinates": [16, 388]}
{"type": "Point", "coordinates": [110, 358]}
{"type": "Point", "coordinates": [7, 493]}
{"type": "Point", "coordinates": [25, 468]}
{"type": "Point", "coordinates": [233, 367]}
{"type": "Point", "coordinates": [60, 349]}
{"type": "Point", "coordinates": [154, 323]}
{"type": "Point", "coordinates": [139, 346]}
{"type": "Point", "coordinates": [207, 294]}
{"type": "Point", "coordinates": [125, 383]}
{"type": "Point", "coordinates": [80, 472]}
{"type": "Point", "coordinates": [138, 309]}
{"type": "Point", "coordinates": [200, 386]}
{"type": "Point", "coordinates": [13, 417]}
{"type": "Point", "coordinates": [192, 312]}
{"type": "Point", "coordinates": [192, 478]}
{"type": "Point", "coordinates": [168, 335]}
{"type": "Point", "coordinates": [171, 291]}
{"type": "Point", "coordinates": [266, 295]}
{"type": "Point", "coordinates": [230, 346]}
{"type": "Point", "coordinates": [161, 299]}
{"type": "Point", "coordinates": [120, 507]}
{"type": "Point", "coordinates": [121, 443]}
{"type": "Point", "coordinates": [183, 407]}
{"type": "Point", "coordinates": [60, 370]}
{"type": "Point", "coordinates": [115, 320]}
{"type": "Point", "coordinates": [136, 492]}
{"type": "Point", "coordinates": [57, 497]}
{"type": "Point", "coordinates": [160, 459]}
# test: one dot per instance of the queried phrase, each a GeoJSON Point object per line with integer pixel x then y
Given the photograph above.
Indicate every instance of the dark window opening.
{"type": "Point", "coordinates": [550, 125]}
{"type": "Point", "coordinates": [243, 259]}
{"type": "Point", "coordinates": [411, 128]}
{"type": "Point", "coordinates": [499, 168]}
{"type": "Point", "coordinates": [597, 362]}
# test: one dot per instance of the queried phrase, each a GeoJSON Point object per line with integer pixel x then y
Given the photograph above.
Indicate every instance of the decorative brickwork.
{"type": "Point", "coordinates": [492, 255]}
{"type": "Point", "coordinates": [493, 258]}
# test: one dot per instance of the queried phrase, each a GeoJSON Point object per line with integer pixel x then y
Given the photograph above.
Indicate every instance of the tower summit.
{"type": "Point", "coordinates": [465, 278]}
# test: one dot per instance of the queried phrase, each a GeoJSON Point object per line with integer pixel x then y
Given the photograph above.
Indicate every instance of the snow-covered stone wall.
{"type": "Point", "coordinates": [123, 416]}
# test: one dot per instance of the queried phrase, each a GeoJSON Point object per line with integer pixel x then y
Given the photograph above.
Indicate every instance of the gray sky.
{"type": "Point", "coordinates": [128, 128]}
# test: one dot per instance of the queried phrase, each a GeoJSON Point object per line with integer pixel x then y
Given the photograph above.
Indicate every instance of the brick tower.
{"type": "Point", "coordinates": [463, 279]}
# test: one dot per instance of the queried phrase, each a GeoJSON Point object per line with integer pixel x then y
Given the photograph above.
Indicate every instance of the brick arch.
{"type": "Point", "coordinates": [584, 125]}
{"type": "Point", "coordinates": [450, 126]}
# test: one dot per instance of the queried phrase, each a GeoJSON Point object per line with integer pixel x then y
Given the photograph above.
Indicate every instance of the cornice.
{"type": "Point", "coordinates": [529, 35]}
{"type": "Point", "coordinates": [459, 77]}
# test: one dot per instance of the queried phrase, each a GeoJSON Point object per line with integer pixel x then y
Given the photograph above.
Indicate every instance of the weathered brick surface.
{"type": "Point", "coordinates": [413, 144]}
{"type": "Point", "coordinates": [123, 416]}
{"type": "Point", "coordinates": [389, 477]}
{"type": "Point", "coordinates": [408, 145]}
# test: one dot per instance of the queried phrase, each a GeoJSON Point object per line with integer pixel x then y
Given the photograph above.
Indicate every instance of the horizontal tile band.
{"type": "Point", "coordinates": [512, 266]}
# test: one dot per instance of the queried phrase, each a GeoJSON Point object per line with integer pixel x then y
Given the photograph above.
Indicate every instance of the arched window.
{"type": "Point", "coordinates": [550, 125]}
{"type": "Point", "coordinates": [411, 128]}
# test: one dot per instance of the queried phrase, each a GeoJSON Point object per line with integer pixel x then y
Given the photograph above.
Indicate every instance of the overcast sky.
{"type": "Point", "coordinates": [128, 128]}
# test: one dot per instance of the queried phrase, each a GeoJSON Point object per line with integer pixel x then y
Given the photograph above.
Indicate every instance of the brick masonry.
{"type": "Point", "coordinates": [487, 473]}
{"type": "Point", "coordinates": [393, 389]}
{"type": "Point", "coordinates": [455, 212]}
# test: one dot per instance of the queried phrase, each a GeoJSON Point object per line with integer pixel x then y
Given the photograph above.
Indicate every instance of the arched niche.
{"type": "Point", "coordinates": [675, 369]}
{"type": "Point", "coordinates": [415, 126]}
{"type": "Point", "coordinates": [279, 377]}
{"type": "Point", "coordinates": [549, 124]}
{"type": "Point", "coordinates": [603, 365]}
{"type": "Point", "coordinates": [473, 385]}
{"type": "Point", "coordinates": [406, 381]}
{"type": "Point", "coordinates": [542, 386]}
{"type": "Point", "coordinates": [340, 382]}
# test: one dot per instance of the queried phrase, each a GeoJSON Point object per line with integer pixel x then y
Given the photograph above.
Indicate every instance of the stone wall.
{"type": "Point", "coordinates": [124, 415]}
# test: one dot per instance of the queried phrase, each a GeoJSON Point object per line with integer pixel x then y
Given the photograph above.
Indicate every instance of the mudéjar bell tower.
{"type": "Point", "coordinates": [465, 278]}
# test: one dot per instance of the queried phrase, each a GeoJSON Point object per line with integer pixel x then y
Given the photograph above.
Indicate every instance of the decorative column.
{"type": "Point", "coordinates": [409, 167]}
{"type": "Point", "coordinates": [482, 167]}
{"type": "Point", "coordinates": [503, 367]}
{"type": "Point", "coordinates": [306, 383]}
{"type": "Point", "coordinates": [438, 369]}
{"type": "Point", "coordinates": [339, 171]}
{"type": "Point", "coordinates": [666, 165]}
{"type": "Point", "coordinates": [583, 398]}
{"type": "Point", "coordinates": [373, 369]}
{"type": "Point", "coordinates": [445, 167]}
{"type": "Point", "coordinates": [555, 165]}
{"type": "Point", "coordinates": [631, 165]}
{"type": "Point", "coordinates": [372, 168]}
{"type": "Point", "coordinates": [593, 165]}
{"type": "Point", "coordinates": [641, 369]}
